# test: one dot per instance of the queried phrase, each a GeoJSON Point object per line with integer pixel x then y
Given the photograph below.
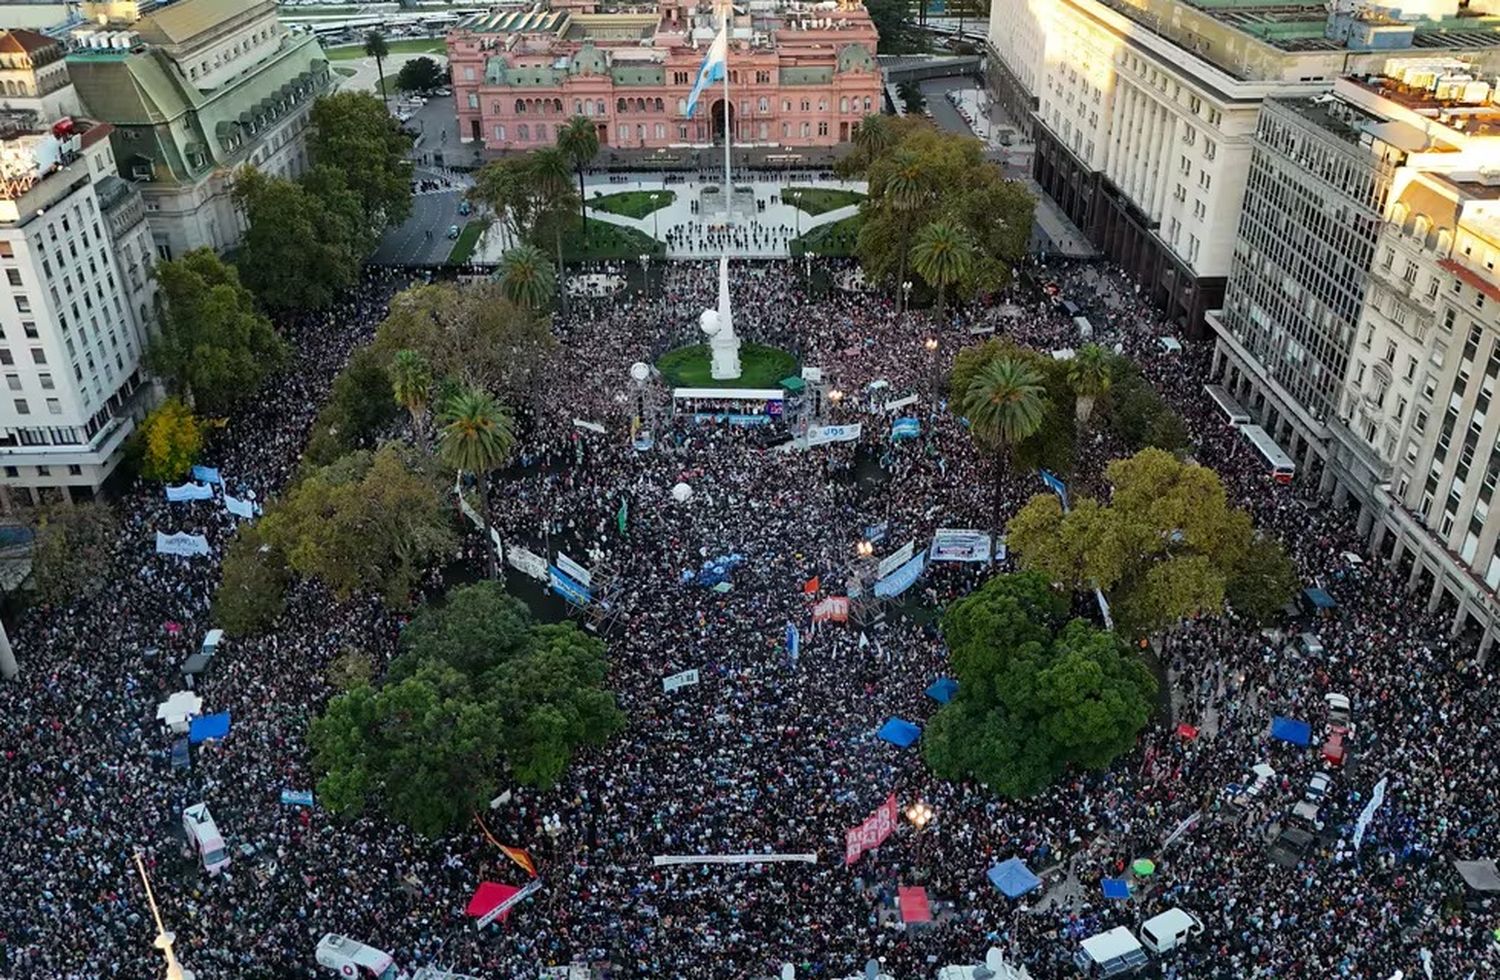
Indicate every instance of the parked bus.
{"type": "Point", "coordinates": [1282, 467]}
{"type": "Point", "coordinates": [1232, 410]}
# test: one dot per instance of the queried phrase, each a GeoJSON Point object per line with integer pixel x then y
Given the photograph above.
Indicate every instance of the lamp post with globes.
{"type": "Point", "coordinates": [919, 815]}
{"type": "Point", "coordinates": [931, 346]}
{"type": "Point", "coordinates": [906, 296]}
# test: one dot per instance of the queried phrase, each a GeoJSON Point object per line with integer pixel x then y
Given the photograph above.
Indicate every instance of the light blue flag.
{"type": "Point", "coordinates": [713, 68]}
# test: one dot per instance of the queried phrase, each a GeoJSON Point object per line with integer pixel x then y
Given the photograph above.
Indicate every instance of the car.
{"type": "Point", "coordinates": [354, 959]}
{"type": "Point", "coordinates": [1317, 787]}
{"type": "Point", "coordinates": [1334, 749]}
{"type": "Point", "coordinates": [1339, 710]}
{"type": "Point", "coordinates": [464, 207]}
{"type": "Point", "coordinates": [1244, 794]}
{"type": "Point", "coordinates": [453, 231]}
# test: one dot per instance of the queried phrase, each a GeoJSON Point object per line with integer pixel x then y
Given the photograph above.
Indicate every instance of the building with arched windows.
{"type": "Point", "coordinates": [800, 76]}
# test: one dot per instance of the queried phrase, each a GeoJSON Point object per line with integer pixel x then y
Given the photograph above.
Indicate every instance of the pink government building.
{"type": "Point", "coordinates": [801, 74]}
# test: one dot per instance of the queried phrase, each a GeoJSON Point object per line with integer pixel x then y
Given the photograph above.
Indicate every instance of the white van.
{"type": "Point", "coordinates": [1169, 930]}
{"type": "Point", "coordinates": [354, 959]}
{"type": "Point", "coordinates": [204, 838]}
{"type": "Point", "coordinates": [1110, 954]}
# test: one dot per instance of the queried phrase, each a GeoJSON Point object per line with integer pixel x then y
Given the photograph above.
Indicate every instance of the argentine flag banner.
{"type": "Point", "coordinates": [713, 68]}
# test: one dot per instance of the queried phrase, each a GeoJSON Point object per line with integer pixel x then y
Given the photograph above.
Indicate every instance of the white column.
{"type": "Point", "coordinates": [8, 668]}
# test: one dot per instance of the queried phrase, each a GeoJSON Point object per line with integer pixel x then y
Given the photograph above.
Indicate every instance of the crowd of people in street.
{"type": "Point", "coordinates": [768, 752]}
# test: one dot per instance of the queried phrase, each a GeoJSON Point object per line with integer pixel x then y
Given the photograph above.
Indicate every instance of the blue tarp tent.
{"type": "Point", "coordinates": [207, 727]}
{"type": "Point", "coordinates": [899, 731]}
{"type": "Point", "coordinates": [1291, 730]}
{"type": "Point", "coordinates": [943, 689]}
{"type": "Point", "coordinates": [1116, 888]}
{"type": "Point", "coordinates": [1013, 878]}
{"type": "Point", "coordinates": [1319, 598]}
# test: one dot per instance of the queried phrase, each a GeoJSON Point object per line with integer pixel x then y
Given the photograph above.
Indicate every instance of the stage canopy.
{"type": "Point", "coordinates": [1013, 878]}
{"type": "Point", "coordinates": [1319, 598]}
{"type": "Point", "coordinates": [207, 727]}
{"type": "Point", "coordinates": [899, 732]}
{"type": "Point", "coordinates": [943, 689]}
{"type": "Point", "coordinates": [487, 897]}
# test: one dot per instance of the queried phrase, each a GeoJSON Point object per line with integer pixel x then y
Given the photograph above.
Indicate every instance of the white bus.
{"type": "Point", "coordinates": [1282, 467]}
{"type": "Point", "coordinates": [1232, 410]}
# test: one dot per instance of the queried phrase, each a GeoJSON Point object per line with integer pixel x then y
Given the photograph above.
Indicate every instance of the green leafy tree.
{"type": "Point", "coordinates": [476, 628]}
{"type": "Point", "coordinates": [1037, 693]}
{"type": "Point", "coordinates": [1052, 446]}
{"type": "Point", "coordinates": [298, 252]}
{"type": "Point", "coordinates": [358, 410]}
{"type": "Point", "coordinates": [913, 97]}
{"type": "Point", "coordinates": [477, 436]}
{"type": "Point", "coordinates": [375, 47]}
{"type": "Point", "coordinates": [252, 590]}
{"type": "Point", "coordinates": [1263, 581]}
{"type": "Point", "coordinates": [1089, 375]}
{"type": "Point", "coordinates": [1138, 416]}
{"type": "Point", "coordinates": [411, 384]}
{"type": "Point", "coordinates": [872, 139]}
{"type": "Point", "coordinates": [1004, 403]}
{"type": "Point", "coordinates": [1162, 549]}
{"type": "Point", "coordinates": [171, 438]}
{"type": "Point", "coordinates": [942, 255]}
{"type": "Point", "coordinates": [527, 278]}
{"type": "Point", "coordinates": [350, 669]}
{"type": "Point", "coordinates": [353, 132]}
{"type": "Point", "coordinates": [71, 551]}
{"type": "Point", "coordinates": [579, 140]}
{"type": "Point", "coordinates": [213, 346]}
{"type": "Point", "coordinates": [891, 23]}
{"type": "Point", "coordinates": [472, 335]}
{"type": "Point", "coordinates": [366, 521]}
{"type": "Point", "coordinates": [901, 189]}
{"type": "Point", "coordinates": [550, 181]}
{"type": "Point", "coordinates": [420, 75]}
{"type": "Point", "coordinates": [510, 190]}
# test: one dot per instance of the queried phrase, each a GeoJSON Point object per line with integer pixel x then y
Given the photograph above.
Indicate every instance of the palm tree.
{"type": "Point", "coordinates": [375, 47]}
{"type": "Point", "coordinates": [477, 437]}
{"type": "Point", "coordinates": [1004, 405]}
{"type": "Point", "coordinates": [579, 141]}
{"type": "Point", "coordinates": [550, 178]}
{"type": "Point", "coordinates": [873, 137]}
{"type": "Point", "coordinates": [526, 277]}
{"type": "Point", "coordinates": [1089, 376]}
{"type": "Point", "coordinates": [943, 255]}
{"type": "Point", "coordinates": [411, 383]}
{"type": "Point", "coordinates": [908, 189]}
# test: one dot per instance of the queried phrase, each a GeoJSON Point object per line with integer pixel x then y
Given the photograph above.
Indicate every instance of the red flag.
{"type": "Point", "coordinates": [521, 858]}
{"type": "Point", "coordinates": [811, 585]}
{"type": "Point", "coordinates": [1187, 731]}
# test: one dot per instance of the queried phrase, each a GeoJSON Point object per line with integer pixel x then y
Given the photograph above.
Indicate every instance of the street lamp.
{"type": "Point", "coordinates": [931, 346]}
{"type": "Point", "coordinates": [164, 939]}
{"type": "Point", "coordinates": [655, 217]}
{"type": "Point", "coordinates": [835, 396]}
{"type": "Point", "coordinates": [919, 814]}
{"type": "Point", "coordinates": [905, 295]}
{"type": "Point", "coordinates": [864, 549]}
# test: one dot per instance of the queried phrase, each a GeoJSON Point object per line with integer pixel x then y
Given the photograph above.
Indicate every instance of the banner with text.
{"type": "Point", "coordinates": [528, 563]}
{"type": "Point", "coordinates": [684, 678]}
{"type": "Point", "coordinates": [589, 426]}
{"type": "Point", "coordinates": [576, 571]}
{"type": "Point", "coordinates": [901, 579]}
{"type": "Point", "coordinates": [190, 491]}
{"type": "Point", "coordinates": [960, 544]}
{"type": "Point", "coordinates": [240, 508]}
{"type": "Point", "coordinates": [569, 589]}
{"type": "Point", "coordinates": [666, 860]}
{"type": "Point", "coordinates": [185, 545]}
{"type": "Point", "coordinates": [873, 832]}
{"type": "Point", "coordinates": [895, 559]}
{"type": "Point", "coordinates": [900, 403]}
{"type": "Point", "coordinates": [820, 435]}
{"type": "Point", "coordinates": [207, 474]}
{"type": "Point", "coordinates": [835, 608]}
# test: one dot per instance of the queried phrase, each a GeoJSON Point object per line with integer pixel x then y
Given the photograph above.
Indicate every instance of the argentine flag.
{"type": "Point", "coordinates": [713, 67]}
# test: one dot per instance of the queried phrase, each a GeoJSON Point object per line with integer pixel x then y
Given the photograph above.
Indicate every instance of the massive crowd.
{"type": "Point", "coordinates": [765, 754]}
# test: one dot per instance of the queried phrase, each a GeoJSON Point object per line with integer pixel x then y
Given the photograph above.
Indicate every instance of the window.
{"type": "Point", "coordinates": [1411, 368]}
{"type": "Point", "coordinates": [13, 382]}
{"type": "Point", "coordinates": [28, 327]}
{"type": "Point", "coordinates": [1204, 180]}
{"type": "Point", "coordinates": [46, 380]}
{"type": "Point", "coordinates": [21, 407]}
{"type": "Point", "coordinates": [14, 275]}
{"type": "Point", "coordinates": [5, 356]}
{"type": "Point", "coordinates": [23, 305]}
{"type": "Point", "coordinates": [38, 356]}
{"type": "Point", "coordinates": [54, 406]}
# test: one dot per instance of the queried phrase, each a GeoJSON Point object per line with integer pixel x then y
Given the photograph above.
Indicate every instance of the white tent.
{"type": "Point", "coordinates": [176, 711]}
{"type": "Point", "coordinates": [681, 492]}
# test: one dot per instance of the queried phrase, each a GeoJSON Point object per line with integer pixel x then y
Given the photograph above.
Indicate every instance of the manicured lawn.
{"type": "Point", "coordinates": [818, 200]}
{"type": "Point", "coordinates": [607, 241]}
{"type": "Point", "coordinates": [760, 367]}
{"type": "Point", "coordinates": [836, 239]}
{"type": "Point", "coordinates": [632, 204]}
{"type": "Point", "coordinates": [417, 45]}
{"type": "Point", "coordinates": [463, 248]}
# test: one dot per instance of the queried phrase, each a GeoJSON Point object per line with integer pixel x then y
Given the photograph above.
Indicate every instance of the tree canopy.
{"type": "Point", "coordinates": [1164, 548]}
{"type": "Point", "coordinates": [365, 521]}
{"type": "Point", "coordinates": [353, 132]}
{"type": "Point", "coordinates": [359, 408]}
{"type": "Point", "coordinates": [304, 241]}
{"type": "Point", "coordinates": [70, 553]}
{"type": "Point", "coordinates": [1137, 415]}
{"type": "Point", "coordinates": [471, 334]}
{"type": "Point", "coordinates": [1036, 692]}
{"type": "Point", "coordinates": [477, 684]}
{"type": "Point", "coordinates": [252, 590]}
{"type": "Point", "coordinates": [213, 344]}
{"type": "Point", "coordinates": [1052, 445]}
{"type": "Point", "coordinates": [421, 75]}
{"type": "Point", "coordinates": [171, 438]}
{"type": "Point", "coordinates": [917, 176]}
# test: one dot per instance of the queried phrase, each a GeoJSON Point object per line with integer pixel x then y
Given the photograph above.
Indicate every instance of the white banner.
{"type": "Point", "coordinates": [821, 435]}
{"type": "Point", "coordinates": [960, 544]}
{"type": "Point", "coordinates": [190, 491]}
{"type": "Point", "coordinates": [589, 426]}
{"type": "Point", "coordinates": [682, 679]}
{"type": "Point", "coordinates": [574, 571]}
{"type": "Point", "coordinates": [663, 860]}
{"type": "Point", "coordinates": [185, 545]}
{"type": "Point", "coordinates": [531, 888]}
{"type": "Point", "coordinates": [900, 403]}
{"type": "Point", "coordinates": [528, 563]}
{"type": "Point", "coordinates": [240, 508]}
{"type": "Point", "coordinates": [896, 559]}
{"type": "Point", "coordinates": [1368, 813]}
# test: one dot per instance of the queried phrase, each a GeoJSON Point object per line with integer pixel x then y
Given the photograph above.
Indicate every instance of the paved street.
{"type": "Point", "coordinates": [411, 243]}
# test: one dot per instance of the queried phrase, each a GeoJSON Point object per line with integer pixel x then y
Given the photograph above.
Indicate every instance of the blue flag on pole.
{"type": "Point", "coordinates": [793, 643]}
{"type": "Point", "coordinates": [712, 69]}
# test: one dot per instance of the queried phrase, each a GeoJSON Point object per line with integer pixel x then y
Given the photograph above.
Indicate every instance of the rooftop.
{"type": "Point", "coordinates": [1465, 103]}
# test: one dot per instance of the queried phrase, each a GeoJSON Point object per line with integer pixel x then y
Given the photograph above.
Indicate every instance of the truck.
{"type": "Point", "coordinates": [1165, 932]}
{"type": "Point", "coordinates": [1110, 954]}
{"type": "Point", "coordinates": [204, 838]}
{"type": "Point", "coordinates": [354, 960]}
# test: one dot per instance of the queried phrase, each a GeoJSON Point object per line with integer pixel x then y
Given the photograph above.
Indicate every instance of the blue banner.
{"type": "Point", "coordinates": [907, 428]}
{"type": "Point", "coordinates": [793, 643]}
{"type": "Point", "coordinates": [1051, 482]}
{"type": "Point", "coordinates": [567, 588]}
{"type": "Point", "coordinates": [875, 533]}
{"type": "Point", "coordinates": [901, 579]}
{"type": "Point", "coordinates": [733, 418]}
{"type": "Point", "coordinates": [297, 797]}
{"type": "Point", "coordinates": [190, 491]}
{"type": "Point", "coordinates": [240, 508]}
{"type": "Point", "coordinates": [207, 474]}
